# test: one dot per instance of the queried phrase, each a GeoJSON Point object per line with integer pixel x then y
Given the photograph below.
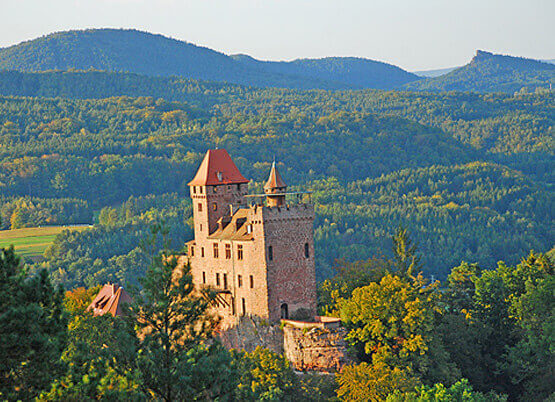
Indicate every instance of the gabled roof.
{"type": "Point", "coordinates": [235, 228]}
{"type": "Point", "coordinates": [275, 180]}
{"type": "Point", "coordinates": [110, 299]}
{"type": "Point", "coordinates": [217, 167]}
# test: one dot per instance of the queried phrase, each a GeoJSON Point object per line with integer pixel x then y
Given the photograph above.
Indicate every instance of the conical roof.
{"type": "Point", "coordinates": [275, 180]}
{"type": "Point", "coordinates": [217, 167]}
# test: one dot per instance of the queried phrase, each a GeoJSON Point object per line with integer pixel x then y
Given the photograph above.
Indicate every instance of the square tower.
{"type": "Point", "coordinates": [258, 257]}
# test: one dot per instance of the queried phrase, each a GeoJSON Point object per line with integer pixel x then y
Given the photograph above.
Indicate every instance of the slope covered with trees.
{"type": "Point", "coordinates": [489, 72]}
{"type": "Point", "coordinates": [145, 53]}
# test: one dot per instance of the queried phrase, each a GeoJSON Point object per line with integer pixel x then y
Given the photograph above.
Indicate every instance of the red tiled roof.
{"type": "Point", "coordinates": [217, 168]}
{"type": "Point", "coordinates": [110, 299]}
{"type": "Point", "coordinates": [275, 180]}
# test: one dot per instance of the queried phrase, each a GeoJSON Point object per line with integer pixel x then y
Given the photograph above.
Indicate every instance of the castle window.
{"type": "Point", "coordinates": [306, 253]}
{"type": "Point", "coordinates": [215, 189]}
{"type": "Point", "coordinates": [199, 207]}
{"type": "Point", "coordinates": [215, 206]}
{"type": "Point", "coordinates": [215, 250]}
{"type": "Point", "coordinates": [284, 311]}
{"type": "Point", "coordinates": [238, 187]}
{"type": "Point", "coordinates": [225, 281]}
{"type": "Point", "coordinates": [232, 305]}
{"type": "Point", "coordinates": [194, 189]}
{"type": "Point", "coordinates": [217, 279]}
{"type": "Point", "coordinates": [228, 251]}
{"type": "Point", "coordinates": [203, 277]}
{"type": "Point", "coordinates": [239, 281]}
{"type": "Point", "coordinates": [192, 251]}
{"type": "Point", "coordinates": [200, 190]}
{"type": "Point", "coordinates": [202, 252]}
{"type": "Point", "coordinates": [251, 279]}
{"type": "Point", "coordinates": [239, 251]}
{"type": "Point", "coordinates": [200, 228]}
{"type": "Point", "coordinates": [249, 228]}
{"type": "Point", "coordinates": [243, 306]}
{"type": "Point", "coordinates": [270, 253]}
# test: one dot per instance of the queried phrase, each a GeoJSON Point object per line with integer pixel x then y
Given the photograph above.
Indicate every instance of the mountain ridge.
{"type": "Point", "coordinates": [141, 52]}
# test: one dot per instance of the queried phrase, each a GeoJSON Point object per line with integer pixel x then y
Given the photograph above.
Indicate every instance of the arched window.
{"type": "Point", "coordinates": [284, 311]}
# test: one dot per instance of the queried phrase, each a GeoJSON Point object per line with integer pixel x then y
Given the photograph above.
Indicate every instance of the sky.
{"type": "Point", "coordinates": [413, 34]}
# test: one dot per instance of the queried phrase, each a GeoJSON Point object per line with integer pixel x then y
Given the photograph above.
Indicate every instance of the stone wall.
{"type": "Point", "coordinates": [316, 349]}
{"type": "Point", "coordinates": [250, 332]}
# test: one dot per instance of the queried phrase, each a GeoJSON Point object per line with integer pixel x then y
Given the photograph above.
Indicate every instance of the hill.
{"type": "Point", "coordinates": [146, 53]}
{"type": "Point", "coordinates": [489, 72]}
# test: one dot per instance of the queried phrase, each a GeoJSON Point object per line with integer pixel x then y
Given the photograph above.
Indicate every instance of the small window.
{"type": "Point", "coordinates": [270, 253]}
{"type": "Point", "coordinates": [228, 251]}
{"type": "Point", "coordinates": [251, 279]}
{"type": "Point", "coordinates": [306, 253]}
{"type": "Point", "coordinates": [200, 190]}
{"type": "Point", "coordinates": [200, 207]}
{"type": "Point", "coordinates": [249, 228]}
{"type": "Point", "coordinates": [194, 189]}
{"type": "Point", "coordinates": [284, 311]}
{"type": "Point", "coordinates": [200, 228]}
{"type": "Point", "coordinates": [239, 281]}
{"type": "Point", "coordinates": [238, 187]}
{"type": "Point", "coordinates": [215, 206]}
{"type": "Point", "coordinates": [239, 251]}
{"type": "Point", "coordinates": [243, 306]}
{"type": "Point", "coordinates": [232, 305]}
{"type": "Point", "coordinates": [215, 189]}
{"type": "Point", "coordinates": [192, 251]}
{"type": "Point", "coordinates": [202, 252]}
{"type": "Point", "coordinates": [225, 281]}
{"type": "Point", "coordinates": [217, 279]}
{"type": "Point", "coordinates": [215, 250]}
{"type": "Point", "coordinates": [204, 277]}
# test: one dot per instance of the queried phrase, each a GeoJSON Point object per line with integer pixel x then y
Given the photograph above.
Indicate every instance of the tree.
{"type": "Point", "coordinates": [407, 261]}
{"type": "Point", "coordinates": [394, 322]}
{"type": "Point", "coordinates": [373, 382]}
{"type": "Point", "coordinates": [460, 391]}
{"type": "Point", "coordinates": [33, 327]}
{"type": "Point", "coordinates": [177, 358]}
{"type": "Point", "coordinates": [265, 376]}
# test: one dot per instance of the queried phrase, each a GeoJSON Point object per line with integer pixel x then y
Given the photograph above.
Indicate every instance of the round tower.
{"type": "Point", "coordinates": [275, 188]}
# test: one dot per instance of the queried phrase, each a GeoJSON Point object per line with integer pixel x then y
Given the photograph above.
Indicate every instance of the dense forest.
{"type": "Point", "coordinates": [470, 174]}
{"type": "Point", "coordinates": [489, 72]}
{"type": "Point", "coordinates": [145, 53]}
{"type": "Point", "coordinates": [434, 227]}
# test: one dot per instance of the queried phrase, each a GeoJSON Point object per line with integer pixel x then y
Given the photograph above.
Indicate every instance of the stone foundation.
{"type": "Point", "coordinates": [316, 349]}
{"type": "Point", "coordinates": [317, 346]}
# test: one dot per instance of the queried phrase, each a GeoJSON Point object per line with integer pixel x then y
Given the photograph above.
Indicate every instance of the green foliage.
{"type": "Point", "coordinates": [492, 73]}
{"type": "Point", "coordinates": [120, 50]}
{"type": "Point", "coordinates": [460, 391]}
{"type": "Point", "coordinates": [32, 330]}
{"type": "Point", "coordinates": [265, 376]}
{"type": "Point", "coordinates": [373, 382]}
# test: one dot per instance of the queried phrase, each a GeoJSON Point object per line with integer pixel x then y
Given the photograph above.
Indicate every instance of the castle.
{"type": "Point", "coordinates": [256, 251]}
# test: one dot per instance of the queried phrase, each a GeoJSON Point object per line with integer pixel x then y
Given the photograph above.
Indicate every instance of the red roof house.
{"type": "Point", "coordinates": [110, 299]}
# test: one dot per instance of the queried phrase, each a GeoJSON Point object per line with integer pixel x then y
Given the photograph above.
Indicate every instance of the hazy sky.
{"type": "Point", "coordinates": [413, 34]}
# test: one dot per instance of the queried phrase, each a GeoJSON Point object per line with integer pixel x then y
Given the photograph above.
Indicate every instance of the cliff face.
{"type": "Point", "coordinates": [318, 349]}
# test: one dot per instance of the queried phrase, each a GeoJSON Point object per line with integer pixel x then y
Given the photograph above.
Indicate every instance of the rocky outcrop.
{"type": "Point", "coordinates": [249, 332]}
{"type": "Point", "coordinates": [316, 349]}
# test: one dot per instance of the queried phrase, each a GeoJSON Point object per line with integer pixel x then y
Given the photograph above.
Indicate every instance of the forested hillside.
{"type": "Point", "coordinates": [469, 174]}
{"type": "Point", "coordinates": [157, 55]}
{"type": "Point", "coordinates": [489, 72]}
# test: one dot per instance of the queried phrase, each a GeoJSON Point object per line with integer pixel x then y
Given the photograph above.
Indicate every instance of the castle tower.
{"type": "Point", "coordinates": [217, 185]}
{"type": "Point", "coordinates": [275, 188]}
{"type": "Point", "coordinates": [259, 259]}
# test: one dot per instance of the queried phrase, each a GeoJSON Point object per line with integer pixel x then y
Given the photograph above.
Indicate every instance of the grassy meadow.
{"type": "Point", "coordinates": [32, 242]}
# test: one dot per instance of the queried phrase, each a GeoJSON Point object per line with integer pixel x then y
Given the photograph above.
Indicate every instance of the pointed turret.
{"type": "Point", "coordinates": [275, 188]}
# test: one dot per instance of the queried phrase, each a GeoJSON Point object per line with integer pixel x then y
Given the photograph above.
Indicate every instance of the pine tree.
{"type": "Point", "coordinates": [33, 329]}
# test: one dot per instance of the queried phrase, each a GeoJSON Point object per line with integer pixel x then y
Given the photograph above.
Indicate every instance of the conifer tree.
{"type": "Point", "coordinates": [33, 328]}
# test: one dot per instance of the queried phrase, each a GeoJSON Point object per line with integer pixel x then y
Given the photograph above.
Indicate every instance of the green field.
{"type": "Point", "coordinates": [32, 242]}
